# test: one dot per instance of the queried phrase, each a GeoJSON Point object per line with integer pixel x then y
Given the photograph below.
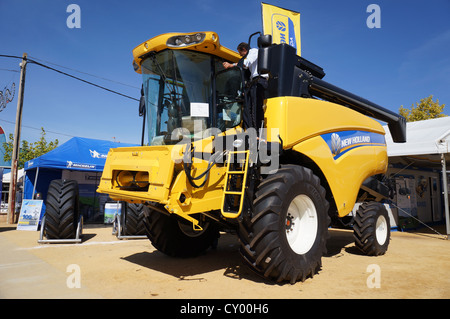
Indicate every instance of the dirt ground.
{"type": "Point", "coordinates": [417, 265]}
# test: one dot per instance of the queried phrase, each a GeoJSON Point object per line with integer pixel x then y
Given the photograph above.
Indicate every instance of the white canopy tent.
{"type": "Point", "coordinates": [7, 177]}
{"type": "Point", "coordinates": [428, 144]}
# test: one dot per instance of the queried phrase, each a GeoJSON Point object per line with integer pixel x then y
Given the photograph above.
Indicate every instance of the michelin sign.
{"type": "Point", "coordinates": [282, 24]}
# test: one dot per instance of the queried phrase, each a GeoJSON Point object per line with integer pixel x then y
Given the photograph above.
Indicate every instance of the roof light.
{"type": "Point", "coordinates": [179, 41]}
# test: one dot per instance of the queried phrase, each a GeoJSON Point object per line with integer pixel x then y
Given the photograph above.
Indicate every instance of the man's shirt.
{"type": "Point", "coordinates": [251, 63]}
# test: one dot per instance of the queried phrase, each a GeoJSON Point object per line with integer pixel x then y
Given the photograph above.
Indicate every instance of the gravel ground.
{"type": "Point", "coordinates": [417, 265]}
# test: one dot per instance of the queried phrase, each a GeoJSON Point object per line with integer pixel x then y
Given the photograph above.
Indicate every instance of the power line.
{"type": "Point", "coordinates": [9, 70]}
{"type": "Point", "coordinates": [10, 56]}
{"type": "Point", "coordinates": [82, 72]}
{"type": "Point", "coordinates": [38, 129]}
{"type": "Point", "coordinates": [70, 75]}
{"type": "Point", "coordinates": [66, 74]}
{"type": "Point", "coordinates": [82, 80]}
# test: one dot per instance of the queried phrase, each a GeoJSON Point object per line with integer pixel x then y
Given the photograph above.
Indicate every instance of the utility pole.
{"type": "Point", "coordinates": [16, 147]}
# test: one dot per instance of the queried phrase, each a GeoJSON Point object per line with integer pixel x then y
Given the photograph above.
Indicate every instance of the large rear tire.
{"type": "Point", "coordinates": [62, 210]}
{"type": "Point", "coordinates": [285, 238]}
{"type": "Point", "coordinates": [176, 238]}
{"type": "Point", "coordinates": [372, 229]}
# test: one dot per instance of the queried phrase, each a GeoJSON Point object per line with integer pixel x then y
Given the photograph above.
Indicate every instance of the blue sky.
{"type": "Point", "coordinates": [405, 60]}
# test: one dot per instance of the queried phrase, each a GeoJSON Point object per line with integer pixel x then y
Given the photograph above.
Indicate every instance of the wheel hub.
{"type": "Point", "coordinates": [289, 222]}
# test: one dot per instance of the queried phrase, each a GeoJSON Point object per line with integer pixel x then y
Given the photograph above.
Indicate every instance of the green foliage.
{"type": "Point", "coordinates": [424, 110]}
{"type": "Point", "coordinates": [28, 150]}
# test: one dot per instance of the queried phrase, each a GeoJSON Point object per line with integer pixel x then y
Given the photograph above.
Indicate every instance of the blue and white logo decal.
{"type": "Point", "coordinates": [281, 26]}
{"type": "Point", "coordinates": [284, 31]}
{"type": "Point", "coordinates": [344, 141]}
{"type": "Point", "coordinates": [335, 144]}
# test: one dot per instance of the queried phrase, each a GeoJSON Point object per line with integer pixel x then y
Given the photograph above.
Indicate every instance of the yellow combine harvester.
{"type": "Point", "coordinates": [278, 188]}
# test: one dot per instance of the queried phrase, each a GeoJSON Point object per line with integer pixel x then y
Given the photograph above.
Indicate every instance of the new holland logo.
{"type": "Point", "coordinates": [335, 144]}
{"type": "Point", "coordinates": [342, 142]}
{"type": "Point", "coordinates": [281, 26]}
{"type": "Point", "coordinates": [286, 30]}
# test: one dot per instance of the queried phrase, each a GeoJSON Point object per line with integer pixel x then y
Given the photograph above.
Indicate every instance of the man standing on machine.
{"type": "Point", "coordinates": [254, 113]}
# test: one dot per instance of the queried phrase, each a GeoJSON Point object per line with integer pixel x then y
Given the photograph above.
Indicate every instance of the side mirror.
{"type": "Point", "coordinates": [142, 103]}
{"type": "Point", "coordinates": [265, 41]}
{"type": "Point", "coordinates": [142, 113]}
{"type": "Point", "coordinates": [142, 106]}
{"type": "Point", "coordinates": [251, 36]}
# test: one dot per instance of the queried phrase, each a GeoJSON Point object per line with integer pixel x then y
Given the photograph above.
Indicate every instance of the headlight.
{"type": "Point", "coordinates": [179, 41]}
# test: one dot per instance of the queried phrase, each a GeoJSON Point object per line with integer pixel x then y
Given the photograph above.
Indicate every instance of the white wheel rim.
{"type": "Point", "coordinates": [381, 230]}
{"type": "Point", "coordinates": [301, 224]}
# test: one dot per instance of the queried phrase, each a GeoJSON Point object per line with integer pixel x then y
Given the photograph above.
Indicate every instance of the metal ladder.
{"type": "Point", "coordinates": [235, 183]}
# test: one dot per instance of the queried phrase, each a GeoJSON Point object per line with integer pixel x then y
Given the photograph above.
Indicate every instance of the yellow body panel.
{"type": "Point", "coordinates": [346, 174]}
{"type": "Point", "coordinates": [302, 123]}
{"type": "Point", "coordinates": [160, 163]}
{"type": "Point", "coordinates": [197, 200]}
{"type": "Point", "coordinates": [167, 179]}
{"type": "Point", "coordinates": [299, 119]}
{"type": "Point", "coordinates": [156, 160]}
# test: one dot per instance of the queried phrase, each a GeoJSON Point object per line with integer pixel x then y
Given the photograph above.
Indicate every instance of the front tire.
{"type": "Point", "coordinates": [285, 238]}
{"type": "Point", "coordinates": [175, 237]}
{"type": "Point", "coordinates": [133, 219]}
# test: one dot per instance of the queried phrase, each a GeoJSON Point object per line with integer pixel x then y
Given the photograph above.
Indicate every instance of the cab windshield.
{"type": "Point", "coordinates": [187, 92]}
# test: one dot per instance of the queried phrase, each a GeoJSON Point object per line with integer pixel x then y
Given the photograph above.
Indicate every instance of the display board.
{"type": "Point", "coordinates": [30, 214]}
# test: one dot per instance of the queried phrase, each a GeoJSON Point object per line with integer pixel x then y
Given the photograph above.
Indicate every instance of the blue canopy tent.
{"type": "Point", "coordinates": [81, 159]}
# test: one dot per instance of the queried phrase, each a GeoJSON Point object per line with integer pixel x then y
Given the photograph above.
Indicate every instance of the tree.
{"type": "Point", "coordinates": [424, 110]}
{"type": "Point", "coordinates": [28, 150]}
